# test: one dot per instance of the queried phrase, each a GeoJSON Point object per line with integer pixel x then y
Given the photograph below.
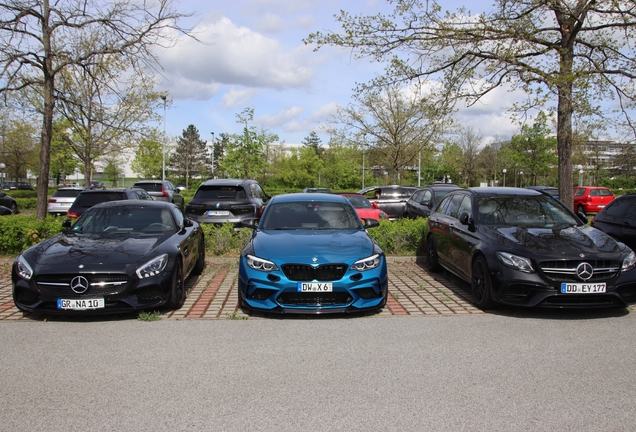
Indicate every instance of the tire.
{"type": "Point", "coordinates": [432, 260]}
{"type": "Point", "coordinates": [481, 284]}
{"type": "Point", "coordinates": [177, 290]}
{"type": "Point", "coordinates": [13, 207]}
{"type": "Point", "coordinates": [581, 210]}
{"type": "Point", "coordinates": [200, 264]}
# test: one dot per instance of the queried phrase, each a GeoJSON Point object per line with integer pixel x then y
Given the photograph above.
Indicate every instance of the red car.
{"type": "Point", "coordinates": [365, 208]}
{"type": "Point", "coordinates": [591, 199]}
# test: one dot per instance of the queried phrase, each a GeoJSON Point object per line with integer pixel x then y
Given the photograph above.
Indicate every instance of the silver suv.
{"type": "Point", "coordinates": [162, 190]}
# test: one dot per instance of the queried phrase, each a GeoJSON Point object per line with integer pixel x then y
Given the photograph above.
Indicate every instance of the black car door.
{"type": "Point", "coordinates": [443, 231]}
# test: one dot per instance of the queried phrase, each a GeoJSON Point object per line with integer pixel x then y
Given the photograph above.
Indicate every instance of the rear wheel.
{"type": "Point", "coordinates": [13, 207]}
{"type": "Point", "coordinates": [481, 284]}
{"type": "Point", "coordinates": [581, 209]}
{"type": "Point", "coordinates": [432, 260]}
{"type": "Point", "coordinates": [177, 291]}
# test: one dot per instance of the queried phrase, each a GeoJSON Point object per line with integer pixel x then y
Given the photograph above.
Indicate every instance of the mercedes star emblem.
{"type": "Point", "coordinates": [584, 271]}
{"type": "Point", "coordinates": [79, 284]}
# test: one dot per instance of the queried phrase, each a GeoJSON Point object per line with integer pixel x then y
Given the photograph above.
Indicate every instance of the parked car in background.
{"type": "Point", "coordinates": [591, 199]}
{"type": "Point", "coordinates": [227, 200]}
{"type": "Point", "coordinates": [316, 190]}
{"type": "Point", "coordinates": [23, 186]}
{"type": "Point", "coordinates": [618, 219]}
{"type": "Point", "coordinates": [425, 200]}
{"type": "Point", "coordinates": [96, 184]}
{"type": "Point", "coordinates": [365, 208]}
{"type": "Point", "coordinates": [550, 190]}
{"type": "Point", "coordinates": [9, 185]}
{"type": "Point", "coordinates": [118, 257]}
{"type": "Point", "coordinates": [8, 202]}
{"type": "Point", "coordinates": [162, 190]}
{"type": "Point", "coordinates": [91, 197]}
{"type": "Point", "coordinates": [5, 211]}
{"type": "Point", "coordinates": [310, 254]}
{"type": "Point", "coordinates": [391, 199]}
{"type": "Point", "coordinates": [523, 248]}
{"type": "Point", "coordinates": [62, 199]}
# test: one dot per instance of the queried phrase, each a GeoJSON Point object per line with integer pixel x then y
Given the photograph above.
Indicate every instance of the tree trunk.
{"type": "Point", "coordinates": [564, 127]}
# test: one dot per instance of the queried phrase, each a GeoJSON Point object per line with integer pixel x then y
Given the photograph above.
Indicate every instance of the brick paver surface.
{"type": "Point", "coordinates": [413, 291]}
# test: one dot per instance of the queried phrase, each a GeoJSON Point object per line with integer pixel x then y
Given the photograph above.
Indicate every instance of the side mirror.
{"type": "Point", "coordinates": [187, 223]}
{"type": "Point", "coordinates": [249, 223]}
{"type": "Point", "coordinates": [465, 219]}
{"type": "Point", "coordinates": [583, 218]}
{"type": "Point", "coordinates": [426, 203]}
{"type": "Point", "coordinates": [67, 223]}
{"type": "Point", "coordinates": [375, 205]}
{"type": "Point", "coordinates": [370, 223]}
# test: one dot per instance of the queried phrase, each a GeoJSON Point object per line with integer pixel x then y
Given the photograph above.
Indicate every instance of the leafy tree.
{"type": "Point", "coordinates": [39, 41]}
{"type": "Point", "coordinates": [64, 162]}
{"type": "Point", "coordinates": [533, 151]}
{"type": "Point", "coordinates": [313, 141]}
{"type": "Point", "coordinates": [18, 148]}
{"type": "Point", "coordinates": [576, 53]}
{"type": "Point", "coordinates": [396, 124]}
{"type": "Point", "coordinates": [190, 156]}
{"type": "Point", "coordinates": [114, 170]}
{"type": "Point", "coordinates": [148, 160]}
{"type": "Point", "coordinates": [300, 169]}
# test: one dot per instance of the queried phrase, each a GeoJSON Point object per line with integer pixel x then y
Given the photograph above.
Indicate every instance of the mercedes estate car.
{"type": "Point", "coordinates": [311, 254]}
{"type": "Point", "coordinates": [524, 248]}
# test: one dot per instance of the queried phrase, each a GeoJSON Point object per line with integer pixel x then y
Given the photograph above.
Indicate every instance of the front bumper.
{"type": "Point", "coordinates": [274, 292]}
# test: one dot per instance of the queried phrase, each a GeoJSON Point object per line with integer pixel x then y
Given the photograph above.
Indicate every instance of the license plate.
{"type": "Point", "coordinates": [218, 213]}
{"type": "Point", "coordinates": [315, 287]}
{"type": "Point", "coordinates": [582, 288]}
{"type": "Point", "coordinates": [80, 304]}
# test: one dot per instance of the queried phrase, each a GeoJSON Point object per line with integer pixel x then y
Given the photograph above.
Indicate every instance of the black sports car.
{"type": "Point", "coordinates": [118, 257]}
{"type": "Point", "coordinates": [522, 247]}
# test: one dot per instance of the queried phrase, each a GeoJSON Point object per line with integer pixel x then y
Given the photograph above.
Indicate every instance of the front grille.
{"type": "Point", "coordinates": [304, 273]}
{"type": "Point", "coordinates": [150, 294]}
{"type": "Point", "coordinates": [518, 291]}
{"type": "Point", "coordinates": [315, 299]}
{"type": "Point", "coordinates": [99, 284]}
{"type": "Point", "coordinates": [586, 300]}
{"type": "Point", "coordinates": [565, 271]}
{"type": "Point", "coordinates": [25, 296]}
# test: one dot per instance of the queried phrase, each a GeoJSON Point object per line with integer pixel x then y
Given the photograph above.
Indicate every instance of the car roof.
{"type": "Point", "coordinates": [135, 203]}
{"type": "Point", "coordinates": [150, 181]}
{"type": "Point", "coordinates": [225, 182]}
{"type": "Point", "coordinates": [501, 191]}
{"type": "Point", "coordinates": [98, 191]}
{"type": "Point", "coordinates": [79, 188]}
{"type": "Point", "coordinates": [303, 196]}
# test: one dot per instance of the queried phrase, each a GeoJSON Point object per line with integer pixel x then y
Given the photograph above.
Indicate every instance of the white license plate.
{"type": "Point", "coordinates": [583, 288]}
{"type": "Point", "coordinates": [80, 304]}
{"type": "Point", "coordinates": [218, 213]}
{"type": "Point", "coordinates": [315, 287]}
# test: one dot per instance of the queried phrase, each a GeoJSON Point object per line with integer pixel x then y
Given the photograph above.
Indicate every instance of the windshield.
{"type": "Point", "coordinates": [310, 215]}
{"type": "Point", "coordinates": [358, 201]}
{"type": "Point", "coordinates": [125, 219]}
{"type": "Point", "coordinates": [220, 193]}
{"type": "Point", "coordinates": [529, 212]}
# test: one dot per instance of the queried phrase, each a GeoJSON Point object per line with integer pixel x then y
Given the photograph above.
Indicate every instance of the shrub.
{"type": "Point", "coordinates": [26, 203]}
{"type": "Point", "coordinates": [225, 239]}
{"type": "Point", "coordinates": [400, 237]}
{"type": "Point", "coordinates": [22, 231]}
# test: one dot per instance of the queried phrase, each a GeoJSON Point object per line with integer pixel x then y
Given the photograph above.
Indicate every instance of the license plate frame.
{"type": "Point", "coordinates": [315, 287]}
{"type": "Point", "coordinates": [218, 213]}
{"type": "Point", "coordinates": [81, 304]}
{"type": "Point", "coordinates": [583, 288]}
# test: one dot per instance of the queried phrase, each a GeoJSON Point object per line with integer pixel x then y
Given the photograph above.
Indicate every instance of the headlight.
{"type": "Point", "coordinates": [23, 268]}
{"type": "Point", "coordinates": [367, 263]}
{"type": "Point", "coordinates": [629, 262]}
{"type": "Point", "coordinates": [260, 264]}
{"type": "Point", "coordinates": [384, 216]}
{"type": "Point", "coordinates": [153, 267]}
{"type": "Point", "coordinates": [515, 262]}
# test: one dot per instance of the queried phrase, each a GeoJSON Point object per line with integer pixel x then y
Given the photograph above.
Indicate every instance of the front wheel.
{"type": "Point", "coordinates": [177, 291]}
{"type": "Point", "coordinates": [581, 209]}
{"type": "Point", "coordinates": [481, 284]}
{"type": "Point", "coordinates": [432, 259]}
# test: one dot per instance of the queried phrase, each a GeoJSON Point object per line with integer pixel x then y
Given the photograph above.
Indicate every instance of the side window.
{"type": "Point", "coordinates": [465, 206]}
{"type": "Point", "coordinates": [579, 192]}
{"type": "Point", "coordinates": [441, 208]}
{"type": "Point", "coordinates": [453, 207]}
{"type": "Point", "coordinates": [417, 196]}
{"type": "Point", "coordinates": [427, 196]}
{"type": "Point", "coordinates": [631, 214]}
{"type": "Point", "coordinates": [595, 192]}
{"type": "Point", "coordinates": [617, 208]}
{"type": "Point", "coordinates": [606, 192]}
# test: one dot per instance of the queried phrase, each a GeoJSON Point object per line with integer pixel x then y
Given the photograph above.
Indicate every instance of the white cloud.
{"type": "Point", "coordinates": [279, 118]}
{"type": "Point", "coordinates": [238, 97]}
{"type": "Point", "coordinates": [236, 55]}
{"type": "Point", "coordinates": [271, 23]}
{"type": "Point", "coordinates": [324, 112]}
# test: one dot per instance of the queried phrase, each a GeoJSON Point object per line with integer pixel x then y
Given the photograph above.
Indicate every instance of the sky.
{"type": "Point", "coordinates": [252, 55]}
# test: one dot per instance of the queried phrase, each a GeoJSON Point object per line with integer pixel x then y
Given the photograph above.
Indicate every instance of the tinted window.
{"type": "Point", "coordinates": [606, 192]}
{"type": "Point", "coordinates": [358, 201]}
{"type": "Point", "coordinates": [91, 199]}
{"type": "Point", "coordinates": [453, 207]}
{"type": "Point", "coordinates": [440, 193]}
{"type": "Point", "coordinates": [616, 209]}
{"type": "Point", "coordinates": [150, 187]}
{"type": "Point", "coordinates": [427, 196]}
{"type": "Point", "coordinates": [66, 193]}
{"type": "Point", "coordinates": [579, 192]}
{"type": "Point", "coordinates": [536, 212]}
{"type": "Point", "coordinates": [220, 193]}
{"type": "Point", "coordinates": [595, 192]}
{"type": "Point", "coordinates": [465, 206]}
{"type": "Point", "coordinates": [309, 215]}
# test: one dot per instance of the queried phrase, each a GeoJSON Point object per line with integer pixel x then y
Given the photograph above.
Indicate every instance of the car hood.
{"type": "Point", "coordinates": [304, 246]}
{"type": "Point", "coordinates": [368, 213]}
{"type": "Point", "coordinates": [92, 251]}
{"type": "Point", "coordinates": [570, 241]}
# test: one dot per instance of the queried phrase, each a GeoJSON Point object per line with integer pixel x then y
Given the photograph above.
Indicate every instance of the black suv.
{"type": "Point", "coordinates": [90, 197]}
{"type": "Point", "coordinates": [162, 190]}
{"type": "Point", "coordinates": [618, 219]}
{"type": "Point", "coordinates": [424, 201]}
{"type": "Point", "coordinates": [226, 200]}
{"type": "Point", "coordinates": [8, 202]}
{"type": "Point", "coordinates": [391, 199]}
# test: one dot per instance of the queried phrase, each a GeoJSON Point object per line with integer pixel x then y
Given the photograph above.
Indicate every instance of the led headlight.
{"type": "Point", "coordinates": [153, 267]}
{"type": "Point", "coordinates": [367, 263]}
{"type": "Point", "coordinates": [516, 262]}
{"type": "Point", "coordinates": [260, 264]}
{"type": "Point", "coordinates": [23, 268]}
{"type": "Point", "coordinates": [629, 262]}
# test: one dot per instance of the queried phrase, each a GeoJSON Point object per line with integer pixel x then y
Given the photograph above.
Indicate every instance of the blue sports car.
{"type": "Point", "coordinates": [311, 254]}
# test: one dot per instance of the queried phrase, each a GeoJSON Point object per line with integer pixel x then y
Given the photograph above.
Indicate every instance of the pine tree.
{"type": "Point", "coordinates": [190, 157]}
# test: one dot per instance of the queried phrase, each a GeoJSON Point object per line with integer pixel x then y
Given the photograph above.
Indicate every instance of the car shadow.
{"type": "Point", "coordinates": [462, 289]}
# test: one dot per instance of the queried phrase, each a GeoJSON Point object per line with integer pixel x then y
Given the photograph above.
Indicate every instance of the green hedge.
{"type": "Point", "coordinates": [401, 237]}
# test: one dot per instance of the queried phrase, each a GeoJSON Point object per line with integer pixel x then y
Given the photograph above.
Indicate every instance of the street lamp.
{"type": "Point", "coordinates": [504, 173]}
{"type": "Point", "coordinates": [520, 178]}
{"type": "Point", "coordinates": [364, 136]}
{"type": "Point", "coordinates": [163, 144]}
{"type": "Point", "coordinates": [212, 154]}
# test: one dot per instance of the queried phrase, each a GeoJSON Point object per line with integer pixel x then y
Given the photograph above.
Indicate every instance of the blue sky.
{"type": "Point", "coordinates": [253, 56]}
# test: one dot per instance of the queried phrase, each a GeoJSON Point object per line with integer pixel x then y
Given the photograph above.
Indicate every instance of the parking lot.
{"type": "Point", "coordinates": [413, 292]}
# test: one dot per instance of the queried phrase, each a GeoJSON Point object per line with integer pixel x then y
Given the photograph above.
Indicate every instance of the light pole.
{"type": "Point", "coordinates": [212, 154]}
{"type": "Point", "coordinates": [580, 175]}
{"type": "Point", "coordinates": [163, 144]}
{"type": "Point", "coordinates": [364, 136]}
{"type": "Point", "coordinates": [520, 178]}
{"type": "Point", "coordinates": [504, 173]}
